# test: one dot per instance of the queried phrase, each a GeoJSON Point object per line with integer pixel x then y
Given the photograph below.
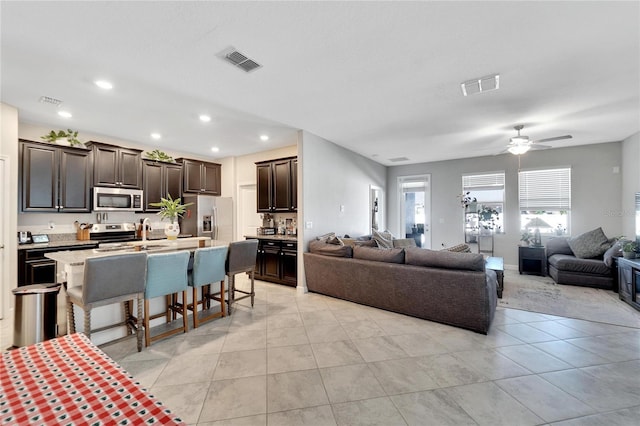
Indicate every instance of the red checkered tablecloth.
{"type": "Point", "coordinates": [69, 381]}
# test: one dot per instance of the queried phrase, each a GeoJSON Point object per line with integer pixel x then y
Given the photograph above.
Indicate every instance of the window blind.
{"type": "Point", "coordinates": [548, 189]}
{"type": "Point", "coordinates": [483, 181]}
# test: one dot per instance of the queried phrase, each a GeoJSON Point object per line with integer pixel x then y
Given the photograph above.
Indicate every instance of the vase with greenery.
{"type": "Point", "coordinates": [171, 209]}
{"type": "Point", "coordinates": [70, 137]}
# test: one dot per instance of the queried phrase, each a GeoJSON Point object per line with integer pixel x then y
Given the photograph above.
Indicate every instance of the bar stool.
{"type": "Point", "coordinates": [241, 258]}
{"type": "Point", "coordinates": [166, 276]}
{"type": "Point", "coordinates": [208, 268]}
{"type": "Point", "coordinates": [108, 280]}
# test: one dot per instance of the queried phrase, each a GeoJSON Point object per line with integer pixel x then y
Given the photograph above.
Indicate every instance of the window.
{"type": "Point", "coordinates": [545, 200]}
{"type": "Point", "coordinates": [488, 190]}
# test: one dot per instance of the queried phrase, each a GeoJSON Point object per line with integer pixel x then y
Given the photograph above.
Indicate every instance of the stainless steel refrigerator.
{"type": "Point", "coordinates": [208, 216]}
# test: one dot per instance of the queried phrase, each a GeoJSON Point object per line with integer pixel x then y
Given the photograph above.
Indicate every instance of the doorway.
{"type": "Point", "coordinates": [376, 208]}
{"type": "Point", "coordinates": [248, 218]}
{"type": "Point", "coordinates": [4, 259]}
{"type": "Point", "coordinates": [414, 193]}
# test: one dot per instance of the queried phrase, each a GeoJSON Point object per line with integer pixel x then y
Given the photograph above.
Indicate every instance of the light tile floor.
{"type": "Point", "coordinates": [314, 360]}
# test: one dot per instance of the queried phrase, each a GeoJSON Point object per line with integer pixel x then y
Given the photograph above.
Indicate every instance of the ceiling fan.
{"type": "Point", "coordinates": [520, 144]}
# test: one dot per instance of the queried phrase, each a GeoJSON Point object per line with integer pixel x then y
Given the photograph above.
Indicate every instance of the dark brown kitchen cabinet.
{"type": "Point", "coordinates": [117, 167]}
{"type": "Point", "coordinates": [276, 185]}
{"type": "Point", "coordinates": [35, 268]}
{"type": "Point", "coordinates": [277, 261]}
{"type": "Point", "coordinates": [54, 178]}
{"type": "Point", "coordinates": [201, 177]}
{"type": "Point", "coordinates": [160, 180]}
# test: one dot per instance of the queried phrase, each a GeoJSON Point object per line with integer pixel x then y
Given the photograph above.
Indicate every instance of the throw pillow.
{"type": "Point", "coordinates": [335, 241]}
{"type": "Point", "coordinates": [614, 251]}
{"type": "Point", "coordinates": [324, 238]}
{"type": "Point", "coordinates": [462, 248]}
{"type": "Point", "coordinates": [404, 242]}
{"type": "Point", "coordinates": [444, 259]}
{"type": "Point", "coordinates": [558, 245]}
{"type": "Point", "coordinates": [370, 253]}
{"type": "Point", "coordinates": [590, 244]}
{"type": "Point", "coordinates": [333, 250]}
{"type": "Point", "coordinates": [383, 239]}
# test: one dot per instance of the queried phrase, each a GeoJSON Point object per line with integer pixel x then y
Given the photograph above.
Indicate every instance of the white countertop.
{"type": "Point", "coordinates": [77, 257]}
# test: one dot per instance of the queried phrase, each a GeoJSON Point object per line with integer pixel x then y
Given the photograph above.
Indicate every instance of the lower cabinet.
{"type": "Point", "coordinates": [277, 262]}
{"type": "Point", "coordinates": [35, 268]}
{"type": "Point", "coordinates": [629, 281]}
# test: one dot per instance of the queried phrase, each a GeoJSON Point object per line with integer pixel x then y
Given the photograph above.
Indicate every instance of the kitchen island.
{"type": "Point", "coordinates": [70, 267]}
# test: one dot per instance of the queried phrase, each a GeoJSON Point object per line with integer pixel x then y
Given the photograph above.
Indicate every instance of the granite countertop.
{"type": "Point", "coordinates": [77, 257]}
{"type": "Point", "coordinates": [273, 237]}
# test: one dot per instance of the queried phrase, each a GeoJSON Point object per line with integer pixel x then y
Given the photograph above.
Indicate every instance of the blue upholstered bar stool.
{"type": "Point", "coordinates": [166, 276]}
{"type": "Point", "coordinates": [208, 269]}
{"type": "Point", "coordinates": [109, 280]}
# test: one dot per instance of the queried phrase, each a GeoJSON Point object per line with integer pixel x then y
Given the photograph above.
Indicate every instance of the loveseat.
{"type": "Point", "coordinates": [567, 267]}
{"type": "Point", "coordinates": [442, 286]}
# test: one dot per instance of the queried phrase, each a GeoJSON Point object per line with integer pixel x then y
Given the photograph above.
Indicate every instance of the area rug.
{"type": "Point", "coordinates": [541, 294]}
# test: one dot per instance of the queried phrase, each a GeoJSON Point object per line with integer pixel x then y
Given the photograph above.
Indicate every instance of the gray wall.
{"type": "Point", "coordinates": [334, 177]}
{"type": "Point", "coordinates": [630, 183]}
{"type": "Point", "coordinates": [595, 191]}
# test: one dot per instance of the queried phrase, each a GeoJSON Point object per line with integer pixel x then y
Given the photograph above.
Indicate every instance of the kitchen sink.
{"type": "Point", "coordinates": [153, 247]}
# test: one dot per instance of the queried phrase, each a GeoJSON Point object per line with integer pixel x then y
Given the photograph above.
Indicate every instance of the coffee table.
{"type": "Point", "coordinates": [497, 264]}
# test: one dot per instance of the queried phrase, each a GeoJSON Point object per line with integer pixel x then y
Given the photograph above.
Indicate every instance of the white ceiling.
{"type": "Point", "coordinates": [379, 78]}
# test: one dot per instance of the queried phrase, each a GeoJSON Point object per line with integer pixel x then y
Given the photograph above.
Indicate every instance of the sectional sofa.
{"type": "Point", "coordinates": [442, 286]}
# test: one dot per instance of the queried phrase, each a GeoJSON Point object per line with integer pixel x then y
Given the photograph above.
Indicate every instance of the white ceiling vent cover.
{"type": "Point", "coordinates": [480, 85]}
{"type": "Point", "coordinates": [398, 159]}
{"type": "Point", "coordinates": [239, 60]}
{"type": "Point", "coordinates": [50, 100]}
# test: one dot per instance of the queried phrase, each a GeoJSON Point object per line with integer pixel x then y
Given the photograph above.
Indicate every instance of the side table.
{"type": "Point", "coordinates": [497, 264]}
{"type": "Point", "coordinates": [532, 260]}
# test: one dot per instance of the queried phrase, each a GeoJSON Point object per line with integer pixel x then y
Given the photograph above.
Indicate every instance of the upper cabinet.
{"type": "Point", "coordinates": [277, 185]}
{"type": "Point", "coordinates": [160, 180]}
{"type": "Point", "coordinates": [201, 177]}
{"type": "Point", "coordinates": [54, 179]}
{"type": "Point", "coordinates": [117, 167]}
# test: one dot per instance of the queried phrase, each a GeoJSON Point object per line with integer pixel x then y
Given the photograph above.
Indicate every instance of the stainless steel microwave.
{"type": "Point", "coordinates": [117, 199]}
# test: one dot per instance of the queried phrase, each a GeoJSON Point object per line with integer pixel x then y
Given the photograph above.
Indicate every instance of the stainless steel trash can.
{"type": "Point", "coordinates": [35, 313]}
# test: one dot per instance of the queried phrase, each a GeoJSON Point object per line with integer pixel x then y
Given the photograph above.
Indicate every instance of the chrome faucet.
{"type": "Point", "coordinates": [143, 232]}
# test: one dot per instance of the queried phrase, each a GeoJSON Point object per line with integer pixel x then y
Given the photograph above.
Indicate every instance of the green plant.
{"type": "Point", "coordinates": [629, 246]}
{"type": "Point", "coordinates": [487, 216]}
{"type": "Point", "coordinates": [526, 237]}
{"type": "Point", "coordinates": [466, 199]}
{"type": "Point", "coordinates": [158, 155]}
{"type": "Point", "coordinates": [70, 135]}
{"type": "Point", "coordinates": [170, 209]}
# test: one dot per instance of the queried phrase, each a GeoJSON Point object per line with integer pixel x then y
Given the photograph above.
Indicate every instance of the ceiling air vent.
{"type": "Point", "coordinates": [397, 159]}
{"type": "Point", "coordinates": [480, 85]}
{"type": "Point", "coordinates": [48, 100]}
{"type": "Point", "coordinates": [240, 60]}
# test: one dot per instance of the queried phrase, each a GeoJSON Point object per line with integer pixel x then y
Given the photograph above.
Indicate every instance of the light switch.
{"type": "Point", "coordinates": [341, 208]}
{"type": "Point", "coordinates": [309, 225]}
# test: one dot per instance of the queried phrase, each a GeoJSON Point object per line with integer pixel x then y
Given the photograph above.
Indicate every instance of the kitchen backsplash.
{"type": "Point", "coordinates": [63, 223]}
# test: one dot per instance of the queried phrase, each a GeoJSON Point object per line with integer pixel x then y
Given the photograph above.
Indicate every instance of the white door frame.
{"type": "Point", "coordinates": [241, 208]}
{"type": "Point", "coordinates": [5, 287]}
{"type": "Point", "coordinates": [427, 205]}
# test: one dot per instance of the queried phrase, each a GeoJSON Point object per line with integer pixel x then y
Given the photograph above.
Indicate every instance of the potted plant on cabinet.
{"type": "Point", "coordinates": [68, 138]}
{"type": "Point", "coordinates": [629, 250]}
{"type": "Point", "coordinates": [171, 209]}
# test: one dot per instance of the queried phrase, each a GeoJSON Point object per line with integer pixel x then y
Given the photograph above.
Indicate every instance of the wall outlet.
{"type": "Point", "coordinates": [51, 225]}
{"type": "Point", "coordinates": [341, 208]}
{"type": "Point", "coordinates": [309, 225]}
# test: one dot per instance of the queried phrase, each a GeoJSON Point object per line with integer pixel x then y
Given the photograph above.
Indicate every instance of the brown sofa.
{"type": "Point", "coordinates": [447, 287]}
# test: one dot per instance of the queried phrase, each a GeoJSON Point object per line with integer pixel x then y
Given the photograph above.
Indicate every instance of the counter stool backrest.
{"type": "Point", "coordinates": [242, 257]}
{"type": "Point", "coordinates": [109, 277]}
{"type": "Point", "coordinates": [166, 273]}
{"type": "Point", "coordinates": [208, 266]}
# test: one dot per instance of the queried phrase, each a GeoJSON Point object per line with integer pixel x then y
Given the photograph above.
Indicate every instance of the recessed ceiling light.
{"type": "Point", "coordinates": [264, 138]}
{"type": "Point", "coordinates": [156, 136]}
{"type": "Point", "coordinates": [215, 149]}
{"type": "Point", "coordinates": [65, 114]}
{"type": "Point", "coordinates": [205, 118]}
{"type": "Point", "coordinates": [104, 84]}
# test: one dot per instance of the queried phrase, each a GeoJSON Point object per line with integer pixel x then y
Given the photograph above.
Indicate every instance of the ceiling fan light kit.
{"type": "Point", "coordinates": [520, 144]}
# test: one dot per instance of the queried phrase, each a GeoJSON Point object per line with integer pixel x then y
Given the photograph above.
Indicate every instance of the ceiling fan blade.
{"type": "Point", "coordinates": [557, 138]}
{"type": "Point", "coordinates": [536, 146]}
